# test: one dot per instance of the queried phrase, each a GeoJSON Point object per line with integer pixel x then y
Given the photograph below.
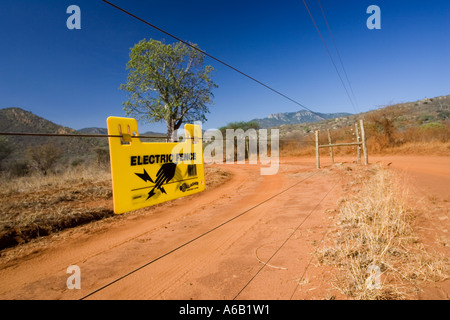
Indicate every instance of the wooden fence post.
{"type": "Point", "coordinates": [358, 147]}
{"type": "Point", "coordinates": [317, 149]}
{"type": "Point", "coordinates": [331, 148]}
{"type": "Point", "coordinates": [363, 138]}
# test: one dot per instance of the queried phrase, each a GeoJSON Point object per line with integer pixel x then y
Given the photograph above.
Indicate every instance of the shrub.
{"type": "Point", "coordinates": [44, 157]}
{"type": "Point", "coordinates": [19, 168]}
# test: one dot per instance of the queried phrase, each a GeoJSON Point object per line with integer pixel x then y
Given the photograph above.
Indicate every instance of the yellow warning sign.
{"type": "Point", "coordinates": [147, 173]}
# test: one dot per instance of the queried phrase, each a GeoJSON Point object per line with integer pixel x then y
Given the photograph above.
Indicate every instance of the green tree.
{"type": "Point", "coordinates": [244, 125]}
{"type": "Point", "coordinates": [168, 83]}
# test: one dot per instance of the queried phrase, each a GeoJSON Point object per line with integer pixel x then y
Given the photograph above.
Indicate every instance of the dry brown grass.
{"type": "Point", "coordinates": [375, 146]}
{"type": "Point", "coordinates": [39, 205]}
{"type": "Point", "coordinates": [431, 138]}
{"type": "Point", "coordinates": [375, 230]}
{"type": "Point", "coordinates": [434, 148]}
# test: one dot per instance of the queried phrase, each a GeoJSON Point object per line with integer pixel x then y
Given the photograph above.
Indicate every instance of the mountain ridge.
{"type": "Point", "coordinates": [23, 121]}
{"type": "Point", "coordinates": [81, 149]}
{"type": "Point", "coordinates": [297, 117]}
{"type": "Point", "coordinates": [414, 113]}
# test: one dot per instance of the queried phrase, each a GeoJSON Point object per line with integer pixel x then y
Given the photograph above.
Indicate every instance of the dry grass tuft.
{"type": "Point", "coordinates": [39, 205]}
{"type": "Point", "coordinates": [375, 249]}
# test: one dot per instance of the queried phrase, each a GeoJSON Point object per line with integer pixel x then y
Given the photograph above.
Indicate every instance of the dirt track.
{"type": "Point", "coordinates": [222, 264]}
{"type": "Point", "coordinates": [428, 181]}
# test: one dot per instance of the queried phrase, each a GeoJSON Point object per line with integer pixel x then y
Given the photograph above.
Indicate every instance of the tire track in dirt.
{"type": "Point", "coordinates": [199, 271]}
{"type": "Point", "coordinates": [25, 279]}
{"type": "Point", "coordinates": [111, 249]}
{"type": "Point", "coordinates": [217, 265]}
{"type": "Point", "coordinates": [77, 245]}
{"type": "Point", "coordinates": [178, 264]}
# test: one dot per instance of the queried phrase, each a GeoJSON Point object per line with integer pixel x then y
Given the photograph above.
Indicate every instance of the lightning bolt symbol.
{"type": "Point", "coordinates": [144, 176]}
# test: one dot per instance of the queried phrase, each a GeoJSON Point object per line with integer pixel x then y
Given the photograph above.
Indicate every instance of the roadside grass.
{"type": "Point", "coordinates": [39, 205]}
{"type": "Point", "coordinates": [375, 251]}
{"type": "Point", "coordinates": [302, 149]}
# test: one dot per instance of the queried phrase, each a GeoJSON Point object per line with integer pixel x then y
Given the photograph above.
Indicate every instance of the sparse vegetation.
{"type": "Point", "coordinates": [38, 205]}
{"type": "Point", "coordinates": [4, 151]}
{"type": "Point", "coordinates": [240, 125]}
{"type": "Point", "coordinates": [13, 149]}
{"type": "Point", "coordinates": [44, 157]}
{"type": "Point", "coordinates": [403, 128]}
{"type": "Point", "coordinates": [102, 156]}
{"type": "Point", "coordinates": [375, 229]}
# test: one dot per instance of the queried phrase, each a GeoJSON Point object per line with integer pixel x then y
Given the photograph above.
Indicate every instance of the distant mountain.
{"type": "Point", "coordinates": [73, 148]}
{"type": "Point", "coordinates": [93, 130]}
{"type": "Point", "coordinates": [302, 116]}
{"type": "Point", "coordinates": [152, 133]}
{"type": "Point", "coordinates": [427, 111]}
{"type": "Point", "coordinates": [96, 130]}
{"type": "Point", "coordinates": [19, 120]}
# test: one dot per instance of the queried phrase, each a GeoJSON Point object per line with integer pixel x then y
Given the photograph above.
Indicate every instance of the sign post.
{"type": "Point", "coordinates": [148, 173]}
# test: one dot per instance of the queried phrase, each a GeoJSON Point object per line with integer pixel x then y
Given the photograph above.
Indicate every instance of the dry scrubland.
{"type": "Point", "coordinates": [420, 128]}
{"type": "Point", "coordinates": [375, 231]}
{"type": "Point", "coordinates": [428, 140]}
{"type": "Point", "coordinates": [373, 228]}
{"type": "Point", "coordinates": [374, 225]}
{"type": "Point", "coordinates": [38, 205]}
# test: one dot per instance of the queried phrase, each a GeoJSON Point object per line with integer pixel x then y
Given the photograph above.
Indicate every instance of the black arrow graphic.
{"type": "Point", "coordinates": [144, 176]}
{"type": "Point", "coordinates": [164, 175]}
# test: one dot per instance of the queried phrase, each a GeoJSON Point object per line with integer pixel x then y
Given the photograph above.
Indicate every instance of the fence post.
{"type": "Point", "coordinates": [317, 149]}
{"type": "Point", "coordinates": [358, 147]}
{"type": "Point", "coordinates": [363, 138]}
{"type": "Point", "coordinates": [331, 148]}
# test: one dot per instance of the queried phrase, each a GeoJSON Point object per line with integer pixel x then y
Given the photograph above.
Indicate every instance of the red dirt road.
{"type": "Point", "coordinates": [428, 181]}
{"type": "Point", "coordinates": [184, 250]}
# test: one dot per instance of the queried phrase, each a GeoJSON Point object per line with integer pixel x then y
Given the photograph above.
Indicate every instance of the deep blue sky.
{"type": "Point", "coordinates": [72, 77]}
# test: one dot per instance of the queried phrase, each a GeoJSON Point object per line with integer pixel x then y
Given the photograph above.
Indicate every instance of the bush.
{"type": "Point", "coordinates": [5, 150]}
{"type": "Point", "coordinates": [44, 157]}
{"type": "Point", "coordinates": [425, 118]}
{"type": "Point", "coordinates": [102, 156]}
{"type": "Point", "coordinates": [77, 162]}
{"type": "Point", "coordinates": [19, 168]}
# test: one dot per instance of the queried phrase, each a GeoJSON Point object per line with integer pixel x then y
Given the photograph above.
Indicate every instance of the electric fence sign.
{"type": "Point", "coordinates": [147, 173]}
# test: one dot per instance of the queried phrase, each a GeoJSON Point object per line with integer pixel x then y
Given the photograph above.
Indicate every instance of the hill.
{"type": "Point", "coordinates": [19, 120]}
{"type": "Point", "coordinates": [418, 121]}
{"type": "Point", "coordinates": [302, 116]}
{"type": "Point", "coordinates": [96, 130]}
{"type": "Point", "coordinates": [73, 150]}
{"type": "Point", "coordinates": [405, 115]}
{"type": "Point", "coordinates": [415, 127]}
{"type": "Point", "coordinates": [93, 130]}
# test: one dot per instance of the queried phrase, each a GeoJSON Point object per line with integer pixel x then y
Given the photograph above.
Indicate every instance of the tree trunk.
{"type": "Point", "coordinates": [170, 123]}
{"type": "Point", "coordinates": [169, 132]}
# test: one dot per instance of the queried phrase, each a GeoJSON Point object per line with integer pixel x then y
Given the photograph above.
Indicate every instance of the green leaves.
{"type": "Point", "coordinates": [167, 82]}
